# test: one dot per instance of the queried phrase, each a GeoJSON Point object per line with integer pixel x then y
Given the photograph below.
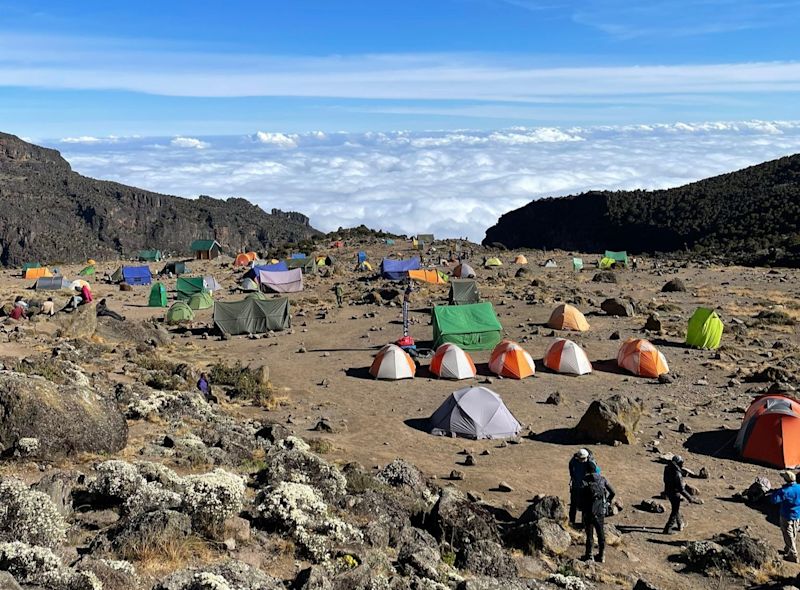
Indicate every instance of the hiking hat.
{"type": "Point", "coordinates": [677, 459]}
{"type": "Point", "coordinates": [583, 454]}
{"type": "Point", "coordinates": [789, 476]}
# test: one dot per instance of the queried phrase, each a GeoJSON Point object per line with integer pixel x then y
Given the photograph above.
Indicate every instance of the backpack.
{"type": "Point", "coordinates": [594, 491]}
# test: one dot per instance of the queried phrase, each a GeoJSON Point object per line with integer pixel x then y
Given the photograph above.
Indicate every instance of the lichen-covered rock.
{"type": "Point", "coordinates": [551, 507]}
{"type": "Point", "coordinates": [611, 420]}
{"type": "Point", "coordinates": [419, 555]}
{"type": "Point", "coordinates": [112, 574]}
{"type": "Point", "coordinates": [569, 582]}
{"type": "Point", "coordinates": [460, 522]}
{"type": "Point", "coordinates": [408, 479]}
{"type": "Point", "coordinates": [59, 487]}
{"type": "Point", "coordinates": [151, 496]}
{"type": "Point", "coordinates": [29, 516]}
{"type": "Point", "coordinates": [148, 529]}
{"type": "Point", "coordinates": [229, 575]}
{"type": "Point", "coordinates": [66, 419]}
{"type": "Point", "coordinates": [487, 558]}
{"type": "Point", "coordinates": [489, 583]}
{"type": "Point", "coordinates": [116, 480]}
{"type": "Point", "coordinates": [80, 324]}
{"type": "Point", "coordinates": [389, 518]}
{"type": "Point", "coordinates": [40, 567]}
{"type": "Point", "coordinates": [548, 536]}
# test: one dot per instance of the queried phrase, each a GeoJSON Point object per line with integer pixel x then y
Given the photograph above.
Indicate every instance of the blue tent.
{"type": "Point", "coordinates": [136, 275]}
{"type": "Point", "coordinates": [362, 256]}
{"type": "Point", "coordinates": [253, 272]}
{"type": "Point", "coordinates": [397, 270]}
{"type": "Point", "coordinates": [298, 255]}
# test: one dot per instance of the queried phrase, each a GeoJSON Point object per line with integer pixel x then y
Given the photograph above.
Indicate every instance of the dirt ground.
{"type": "Point", "coordinates": [321, 367]}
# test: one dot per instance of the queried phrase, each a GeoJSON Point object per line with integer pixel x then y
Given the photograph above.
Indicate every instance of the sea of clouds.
{"type": "Point", "coordinates": [450, 183]}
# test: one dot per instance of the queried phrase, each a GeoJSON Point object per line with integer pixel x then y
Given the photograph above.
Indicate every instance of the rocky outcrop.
{"type": "Point", "coordinates": [78, 217]}
{"type": "Point", "coordinates": [611, 421]}
{"type": "Point", "coordinates": [61, 419]}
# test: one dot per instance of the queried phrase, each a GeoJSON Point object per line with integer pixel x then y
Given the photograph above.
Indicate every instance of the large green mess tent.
{"type": "Point", "coordinates": [472, 327]}
{"type": "Point", "coordinates": [150, 255]}
{"type": "Point", "coordinates": [28, 265]}
{"type": "Point", "coordinates": [306, 265]}
{"type": "Point", "coordinates": [158, 296]}
{"type": "Point", "coordinates": [464, 291]}
{"type": "Point", "coordinates": [252, 316]}
{"type": "Point", "coordinates": [705, 329]}
{"type": "Point", "coordinates": [188, 286]}
{"type": "Point", "coordinates": [618, 257]}
{"type": "Point", "coordinates": [176, 268]}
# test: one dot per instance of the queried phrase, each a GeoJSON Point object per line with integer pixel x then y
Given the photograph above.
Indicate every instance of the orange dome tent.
{"type": "Point", "coordinates": [510, 360]}
{"type": "Point", "coordinates": [241, 260]}
{"type": "Point", "coordinates": [770, 431]}
{"type": "Point", "coordinates": [450, 362]}
{"type": "Point", "coordinates": [520, 259]}
{"type": "Point", "coordinates": [640, 357]}
{"type": "Point", "coordinates": [565, 356]}
{"type": "Point", "coordinates": [252, 256]}
{"type": "Point", "coordinates": [38, 273]}
{"type": "Point", "coordinates": [567, 317]}
{"type": "Point", "coordinates": [392, 362]}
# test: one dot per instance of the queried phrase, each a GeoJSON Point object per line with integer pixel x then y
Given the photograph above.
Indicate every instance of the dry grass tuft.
{"type": "Point", "coordinates": [157, 555]}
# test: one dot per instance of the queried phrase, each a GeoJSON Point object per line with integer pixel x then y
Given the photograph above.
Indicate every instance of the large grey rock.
{"type": "Point", "coordinates": [551, 507]}
{"type": "Point", "coordinates": [7, 582]}
{"type": "Point", "coordinates": [618, 307]}
{"type": "Point", "coordinates": [59, 486]}
{"type": "Point", "coordinates": [487, 558]}
{"type": "Point", "coordinates": [611, 420]}
{"type": "Point", "coordinates": [66, 419]}
{"type": "Point", "coordinates": [419, 555]}
{"type": "Point", "coordinates": [300, 465]}
{"type": "Point", "coordinates": [80, 324]}
{"type": "Point", "coordinates": [113, 575]}
{"type": "Point", "coordinates": [674, 286]}
{"type": "Point", "coordinates": [237, 574]}
{"type": "Point", "coordinates": [489, 583]}
{"type": "Point", "coordinates": [312, 578]}
{"type": "Point", "coordinates": [148, 529]}
{"type": "Point", "coordinates": [543, 535]}
{"type": "Point", "coordinates": [460, 522]}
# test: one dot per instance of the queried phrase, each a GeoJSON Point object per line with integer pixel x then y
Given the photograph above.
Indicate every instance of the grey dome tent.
{"type": "Point", "coordinates": [474, 412]}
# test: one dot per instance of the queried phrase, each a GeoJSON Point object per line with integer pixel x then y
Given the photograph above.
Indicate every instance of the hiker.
{"type": "Point", "coordinates": [789, 499]}
{"type": "Point", "coordinates": [205, 388]}
{"type": "Point", "coordinates": [578, 468]}
{"type": "Point", "coordinates": [675, 490]}
{"type": "Point", "coordinates": [102, 310]}
{"type": "Point", "coordinates": [406, 303]}
{"type": "Point", "coordinates": [49, 307]}
{"type": "Point", "coordinates": [339, 292]}
{"type": "Point", "coordinates": [597, 494]}
{"type": "Point", "coordinates": [18, 313]}
{"type": "Point", "coordinates": [73, 302]}
{"type": "Point", "coordinates": [86, 294]}
{"type": "Point", "coordinates": [19, 301]}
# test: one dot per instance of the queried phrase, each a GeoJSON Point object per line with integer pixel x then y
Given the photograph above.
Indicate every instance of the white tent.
{"type": "Point", "coordinates": [211, 284]}
{"type": "Point", "coordinates": [565, 356]}
{"type": "Point", "coordinates": [474, 412]}
{"type": "Point", "coordinates": [392, 362]}
{"type": "Point", "coordinates": [450, 362]}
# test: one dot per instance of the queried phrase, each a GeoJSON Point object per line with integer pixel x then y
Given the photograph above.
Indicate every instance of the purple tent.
{"type": "Point", "coordinates": [286, 281]}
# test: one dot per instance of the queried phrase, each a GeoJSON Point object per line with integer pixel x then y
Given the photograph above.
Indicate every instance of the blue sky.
{"type": "Point", "coordinates": [95, 68]}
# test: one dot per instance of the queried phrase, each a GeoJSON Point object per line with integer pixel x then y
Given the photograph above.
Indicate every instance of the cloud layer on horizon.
{"type": "Point", "coordinates": [451, 183]}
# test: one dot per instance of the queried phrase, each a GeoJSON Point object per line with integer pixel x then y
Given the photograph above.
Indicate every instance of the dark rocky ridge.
{"type": "Point", "coordinates": [748, 216]}
{"type": "Point", "coordinates": [53, 214]}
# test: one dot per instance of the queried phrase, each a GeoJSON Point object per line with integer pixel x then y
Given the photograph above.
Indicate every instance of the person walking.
{"type": "Point", "coordinates": [675, 490]}
{"type": "Point", "coordinates": [578, 468]}
{"type": "Point", "coordinates": [788, 497]}
{"type": "Point", "coordinates": [596, 494]}
{"type": "Point", "coordinates": [339, 292]}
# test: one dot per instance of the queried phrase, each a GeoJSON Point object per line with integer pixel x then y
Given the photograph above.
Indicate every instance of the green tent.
{"type": "Point", "coordinates": [87, 271]}
{"type": "Point", "coordinates": [256, 295]}
{"type": "Point", "coordinates": [28, 265]}
{"type": "Point", "coordinates": [176, 268]}
{"type": "Point", "coordinates": [188, 286]}
{"type": "Point", "coordinates": [705, 329]}
{"type": "Point", "coordinates": [117, 276]}
{"type": "Point", "coordinates": [179, 312]}
{"type": "Point", "coordinates": [150, 255]}
{"type": "Point", "coordinates": [472, 327]}
{"type": "Point", "coordinates": [252, 316]}
{"type": "Point", "coordinates": [619, 257]}
{"type": "Point", "coordinates": [606, 263]}
{"type": "Point", "coordinates": [201, 300]}
{"type": "Point", "coordinates": [158, 296]}
{"type": "Point", "coordinates": [464, 291]}
{"type": "Point", "coordinates": [577, 264]}
{"type": "Point", "coordinates": [426, 238]}
{"type": "Point", "coordinates": [493, 262]}
{"type": "Point", "coordinates": [307, 265]}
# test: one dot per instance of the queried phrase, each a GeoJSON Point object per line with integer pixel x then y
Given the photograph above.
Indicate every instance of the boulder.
{"type": "Point", "coordinates": [653, 323]}
{"type": "Point", "coordinates": [312, 578]}
{"type": "Point", "coordinates": [66, 419]}
{"type": "Point", "coordinates": [150, 529]}
{"type": "Point", "coordinates": [273, 432]}
{"type": "Point", "coordinates": [548, 536]}
{"type": "Point", "coordinates": [419, 555]}
{"type": "Point", "coordinates": [300, 465]}
{"type": "Point", "coordinates": [611, 420]}
{"type": "Point", "coordinates": [80, 324]}
{"type": "Point", "coordinates": [487, 558]}
{"type": "Point", "coordinates": [551, 507]}
{"type": "Point", "coordinates": [236, 574]}
{"type": "Point", "coordinates": [618, 307]}
{"type": "Point", "coordinates": [605, 276]}
{"type": "Point", "coordinates": [113, 575]}
{"type": "Point", "coordinates": [652, 506]}
{"type": "Point", "coordinates": [59, 486]}
{"type": "Point", "coordinates": [642, 584]}
{"type": "Point", "coordinates": [674, 286]}
{"type": "Point", "coordinates": [460, 522]}
{"type": "Point", "coordinates": [7, 582]}
{"type": "Point", "coordinates": [488, 583]}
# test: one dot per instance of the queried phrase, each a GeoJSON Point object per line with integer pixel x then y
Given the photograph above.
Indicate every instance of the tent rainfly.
{"type": "Point", "coordinates": [577, 264]}
{"type": "Point", "coordinates": [464, 271]}
{"type": "Point", "coordinates": [306, 265]}
{"type": "Point", "coordinates": [474, 412]}
{"type": "Point", "coordinates": [705, 329]}
{"type": "Point", "coordinates": [274, 267]}
{"type": "Point", "coordinates": [472, 327]}
{"type": "Point", "coordinates": [150, 255]}
{"type": "Point", "coordinates": [206, 249]}
{"type": "Point", "coordinates": [188, 286]}
{"type": "Point", "coordinates": [179, 312]}
{"type": "Point", "coordinates": [428, 276]}
{"type": "Point", "coordinates": [252, 316]}
{"type": "Point", "coordinates": [176, 268]}
{"type": "Point", "coordinates": [201, 300]}
{"type": "Point", "coordinates": [210, 284]}
{"type": "Point", "coordinates": [136, 275]}
{"type": "Point", "coordinates": [397, 270]}
{"type": "Point", "coordinates": [51, 284]}
{"type": "Point", "coordinates": [286, 281]}
{"type": "Point", "coordinates": [618, 257]}
{"type": "Point", "coordinates": [770, 432]}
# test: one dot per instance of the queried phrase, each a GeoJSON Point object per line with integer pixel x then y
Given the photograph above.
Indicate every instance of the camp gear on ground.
{"type": "Point", "coordinates": [565, 356]}
{"type": "Point", "coordinates": [567, 317]}
{"type": "Point", "coordinates": [474, 412]}
{"type": "Point", "coordinates": [472, 327]}
{"type": "Point", "coordinates": [252, 316]}
{"type": "Point", "coordinates": [450, 362]}
{"type": "Point", "coordinates": [640, 357]}
{"type": "Point", "coordinates": [705, 329]}
{"type": "Point", "coordinates": [392, 362]}
{"type": "Point", "coordinates": [508, 359]}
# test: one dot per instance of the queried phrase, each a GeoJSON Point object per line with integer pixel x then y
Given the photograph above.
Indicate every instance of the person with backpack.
{"type": "Point", "coordinates": [578, 468]}
{"type": "Point", "coordinates": [596, 494]}
{"type": "Point", "coordinates": [675, 491]}
{"type": "Point", "coordinates": [788, 497]}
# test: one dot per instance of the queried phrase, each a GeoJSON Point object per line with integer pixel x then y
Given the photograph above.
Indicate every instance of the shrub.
{"type": "Point", "coordinates": [243, 383]}
{"type": "Point", "coordinates": [117, 480]}
{"type": "Point", "coordinates": [211, 498]}
{"type": "Point", "coordinates": [29, 516]}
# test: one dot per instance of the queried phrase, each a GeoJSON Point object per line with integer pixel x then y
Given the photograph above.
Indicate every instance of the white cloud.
{"type": "Point", "coordinates": [189, 142]}
{"type": "Point", "coordinates": [277, 139]}
{"type": "Point", "coordinates": [89, 139]}
{"type": "Point", "coordinates": [449, 182]}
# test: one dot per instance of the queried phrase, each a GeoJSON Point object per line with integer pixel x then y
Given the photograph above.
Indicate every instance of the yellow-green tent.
{"type": "Point", "coordinates": [201, 300]}
{"type": "Point", "coordinates": [606, 263]}
{"type": "Point", "coordinates": [705, 329]}
{"type": "Point", "coordinates": [179, 312]}
{"type": "Point", "coordinates": [493, 262]}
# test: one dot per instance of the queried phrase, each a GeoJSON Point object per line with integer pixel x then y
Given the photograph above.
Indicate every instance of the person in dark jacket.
{"type": "Point", "coordinates": [102, 310]}
{"type": "Point", "coordinates": [204, 385]}
{"type": "Point", "coordinates": [579, 466]}
{"type": "Point", "coordinates": [596, 494]}
{"type": "Point", "coordinates": [788, 497]}
{"type": "Point", "coordinates": [675, 490]}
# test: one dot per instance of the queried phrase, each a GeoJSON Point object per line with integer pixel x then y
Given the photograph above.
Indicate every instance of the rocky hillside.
{"type": "Point", "coordinates": [748, 216]}
{"type": "Point", "coordinates": [53, 214]}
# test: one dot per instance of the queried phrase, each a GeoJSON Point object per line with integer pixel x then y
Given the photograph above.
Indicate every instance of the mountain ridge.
{"type": "Point", "coordinates": [53, 214]}
{"type": "Point", "coordinates": [746, 216]}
